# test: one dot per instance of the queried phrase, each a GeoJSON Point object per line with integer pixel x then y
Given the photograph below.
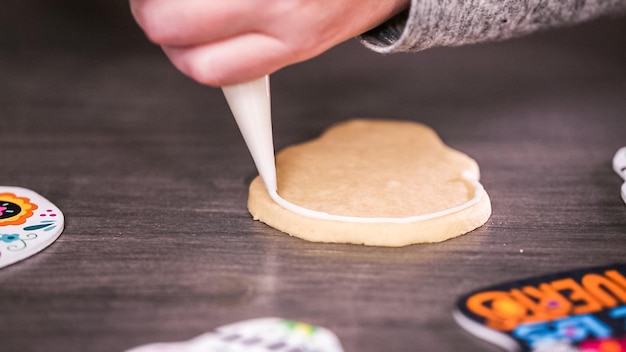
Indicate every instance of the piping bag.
{"type": "Point", "coordinates": [250, 104]}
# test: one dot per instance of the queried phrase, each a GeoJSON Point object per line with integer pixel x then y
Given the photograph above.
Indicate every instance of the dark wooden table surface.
{"type": "Point", "coordinates": [151, 173]}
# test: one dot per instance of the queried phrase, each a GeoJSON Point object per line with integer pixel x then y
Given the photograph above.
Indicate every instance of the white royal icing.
{"type": "Point", "coordinates": [479, 191]}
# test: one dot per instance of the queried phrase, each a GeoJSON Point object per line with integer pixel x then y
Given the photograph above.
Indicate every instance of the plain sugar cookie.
{"type": "Point", "coordinates": [373, 169]}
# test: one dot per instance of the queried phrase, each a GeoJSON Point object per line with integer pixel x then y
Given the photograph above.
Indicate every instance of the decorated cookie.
{"type": "Point", "coordinates": [258, 335]}
{"type": "Point", "coordinates": [576, 311]}
{"type": "Point", "coordinates": [619, 165]}
{"type": "Point", "coordinates": [28, 224]}
{"type": "Point", "coordinates": [373, 182]}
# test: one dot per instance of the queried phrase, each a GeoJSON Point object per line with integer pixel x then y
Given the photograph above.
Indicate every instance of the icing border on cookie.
{"type": "Point", "coordinates": [479, 192]}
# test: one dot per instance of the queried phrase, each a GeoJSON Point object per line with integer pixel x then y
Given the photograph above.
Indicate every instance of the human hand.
{"type": "Point", "coordinates": [218, 42]}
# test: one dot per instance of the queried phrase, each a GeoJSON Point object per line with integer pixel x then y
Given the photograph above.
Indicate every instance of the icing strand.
{"type": "Point", "coordinates": [479, 192]}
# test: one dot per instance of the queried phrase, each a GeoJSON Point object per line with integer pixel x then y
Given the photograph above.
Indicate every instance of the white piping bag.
{"type": "Point", "coordinates": [251, 107]}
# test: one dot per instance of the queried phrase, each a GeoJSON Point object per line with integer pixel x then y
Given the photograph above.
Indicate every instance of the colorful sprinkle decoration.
{"type": "Point", "coordinates": [28, 224]}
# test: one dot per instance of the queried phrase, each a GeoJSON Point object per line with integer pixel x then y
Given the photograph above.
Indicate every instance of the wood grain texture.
{"type": "Point", "coordinates": [152, 176]}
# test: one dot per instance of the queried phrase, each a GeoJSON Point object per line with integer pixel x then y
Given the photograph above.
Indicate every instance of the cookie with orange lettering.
{"type": "Point", "coordinates": [575, 311]}
{"type": "Point", "coordinates": [380, 182]}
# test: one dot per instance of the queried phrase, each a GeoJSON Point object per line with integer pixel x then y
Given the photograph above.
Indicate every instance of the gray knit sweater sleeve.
{"type": "Point", "coordinates": [430, 23]}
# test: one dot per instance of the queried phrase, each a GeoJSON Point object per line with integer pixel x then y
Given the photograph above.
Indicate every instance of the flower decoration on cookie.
{"type": "Point", "coordinates": [15, 242]}
{"type": "Point", "coordinates": [8, 238]}
{"type": "Point", "coordinates": [15, 210]}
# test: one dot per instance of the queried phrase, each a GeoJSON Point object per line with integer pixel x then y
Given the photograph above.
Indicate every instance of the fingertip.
{"type": "Point", "coordinates": [196, 63]}
{"type": "Point", "coordinates": [233, 61]}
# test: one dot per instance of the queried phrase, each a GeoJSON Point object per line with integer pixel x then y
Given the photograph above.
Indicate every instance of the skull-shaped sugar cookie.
{"type": "Point", "coordinates": [380, 172]}
{"type": "Point", "coordinates": [28, 224]}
